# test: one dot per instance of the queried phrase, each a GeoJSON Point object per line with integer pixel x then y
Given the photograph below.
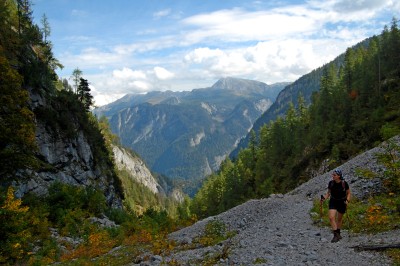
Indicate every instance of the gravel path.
{"type": "Point", "coordinates": [279, 230]}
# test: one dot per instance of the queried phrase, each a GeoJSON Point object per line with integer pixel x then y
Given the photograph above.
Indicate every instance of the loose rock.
{"type": "Point", "coordinates": [279, 231]}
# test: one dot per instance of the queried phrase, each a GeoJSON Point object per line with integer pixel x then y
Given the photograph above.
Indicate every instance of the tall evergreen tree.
{"type": "Point", "coordinates": [84, 95]}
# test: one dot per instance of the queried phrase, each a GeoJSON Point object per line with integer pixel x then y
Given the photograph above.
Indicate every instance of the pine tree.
{"type": "Point", "coordinates": [84, 95]}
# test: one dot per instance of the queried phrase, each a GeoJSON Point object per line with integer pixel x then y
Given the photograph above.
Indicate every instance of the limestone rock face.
{"type": "Point", "coordinates": [67, 160]}
{"type": "Point", "coordinates": [137, 168]}
{"type": "Point", "coordinates": [178, 195]}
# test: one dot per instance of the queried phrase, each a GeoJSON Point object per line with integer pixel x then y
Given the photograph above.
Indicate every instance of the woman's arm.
{"type": "Point", "coordinates": [327, 195]}
{"type": "Point", "coordinates": [348, 195]}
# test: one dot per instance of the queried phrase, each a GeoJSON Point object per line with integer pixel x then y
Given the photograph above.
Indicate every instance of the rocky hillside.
{"type": "Point", "coordinates": [136, 167]}
{"type": "Point", "coordinates": [66, 154]}
{"type": "Point", "coordinates": [279, 230]}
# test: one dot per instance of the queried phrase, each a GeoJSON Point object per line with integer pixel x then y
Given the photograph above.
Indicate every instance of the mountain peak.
{"type": "Point", "coordinates": [230, 83]}
{"type": "Point", "coordinates": [239, 85]}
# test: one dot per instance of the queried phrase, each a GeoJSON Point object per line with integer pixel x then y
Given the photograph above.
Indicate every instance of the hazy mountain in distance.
{"type": "Point", "coordinates": [186, 135]}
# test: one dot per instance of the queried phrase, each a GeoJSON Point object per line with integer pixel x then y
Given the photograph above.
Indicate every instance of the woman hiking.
{"type": "Point", "coordinates": [339, 193]}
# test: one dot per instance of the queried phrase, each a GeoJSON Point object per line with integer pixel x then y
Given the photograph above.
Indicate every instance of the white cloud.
{"type": "Point", "coordinates": [395, 5]}
{"type": "Point", "coordinates": [360, 11]}
{"type": "Point", "coordinates": [291, 21]}
{"type": "Point", "coordinates": [163, 74]}
{"type": "Point", "coordinates": [127, 73]}
{"type": "Point", "coordinates": [103, 99]}
{"type": "Point", "coordinates": [162, 13]}
{"type": "Point", "coordinates": [91, 58]}
{"type": "Point", "coordinates": [268, 61]}
{"type": "Point", "coordinates": [120, 82]}
{"type": "Point", "coordinates": [351, 6]}
{"type": "Point", "coordinates": [240, 25]}
{"type": "Point", "coordinates": [270, 45]}
{"type": "Point", "coordinates": [139, 85]}
{"type": "Point", "coordinates": [201, 55]}
{"type": "Point", "coordinates": [159, 43]}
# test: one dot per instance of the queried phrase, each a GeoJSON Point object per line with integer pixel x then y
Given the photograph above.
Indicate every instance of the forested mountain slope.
{"type": "Point", "coordinates": [46, 134]}
{"type": "Point", "coordinates": [355, 108]}
{"type": "Point", "coordinates": [60, 189]}
{"type": "Point", "coordinates": [304, 87]}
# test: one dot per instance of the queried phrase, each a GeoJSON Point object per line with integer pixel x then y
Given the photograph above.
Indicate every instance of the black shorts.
{"type": "Point", "coordinates": [338, 205]}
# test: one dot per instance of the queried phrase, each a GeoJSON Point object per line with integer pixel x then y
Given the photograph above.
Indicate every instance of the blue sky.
{"type": "Point", "coordinates": [131, 46]}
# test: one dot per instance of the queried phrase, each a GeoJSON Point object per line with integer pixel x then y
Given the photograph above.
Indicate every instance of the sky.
{"type": "Point", "coordinates": [137, 46]}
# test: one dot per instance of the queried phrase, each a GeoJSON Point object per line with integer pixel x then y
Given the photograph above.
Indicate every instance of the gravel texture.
{"type": "Point", "coordinates": [279, 230]}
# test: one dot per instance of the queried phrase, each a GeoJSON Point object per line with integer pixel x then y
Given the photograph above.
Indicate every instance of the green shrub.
{"type": "Point", "coordinates": [94, 201]}
{"type": "Point", "coordinates": [215, 231]}
{"type": "Point", "coordinates": [391, 160]}
{"type": "Point", "coordinates": [119, 216]}
{"type": "Point", "coordinates": [49, 252]}
{"type": "Point", "coordinates": [68, 206]}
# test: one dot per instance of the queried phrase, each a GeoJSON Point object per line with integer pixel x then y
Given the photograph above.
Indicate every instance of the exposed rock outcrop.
{"type": "Point", "coordinates": [68, 160]}
{"type": "Point", "coordinates": [137, 168]}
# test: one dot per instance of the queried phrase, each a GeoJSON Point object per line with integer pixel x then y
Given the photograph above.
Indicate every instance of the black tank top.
{"type": "Point", "coordinates": [338, 190]}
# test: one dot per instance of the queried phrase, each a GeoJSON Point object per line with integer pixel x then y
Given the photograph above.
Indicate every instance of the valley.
{"type": "Point", "coordinates": [186, 135]}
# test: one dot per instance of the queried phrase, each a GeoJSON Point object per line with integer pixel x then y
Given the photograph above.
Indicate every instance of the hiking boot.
{"type": "Point", "coordinates": [338, 232]}
{"type": "Point", "coordinates": [336, 236]}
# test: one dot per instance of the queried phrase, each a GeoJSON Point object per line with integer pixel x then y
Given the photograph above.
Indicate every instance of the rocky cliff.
{"type": "Point", "coordinates": [124, 160]}
{"type": "Point", "coordinates": [66, 158]}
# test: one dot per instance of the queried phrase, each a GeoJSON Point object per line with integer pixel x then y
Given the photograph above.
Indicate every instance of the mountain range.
{"type": "Point", "coordinates": [186, 135]}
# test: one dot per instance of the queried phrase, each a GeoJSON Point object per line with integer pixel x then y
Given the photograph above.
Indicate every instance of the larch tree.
{"type": "Point", "coordinates": [76, 78]}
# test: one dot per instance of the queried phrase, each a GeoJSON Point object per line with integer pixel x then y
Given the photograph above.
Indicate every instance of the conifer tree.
{"type": "Point", "coordinates": [84, 95]}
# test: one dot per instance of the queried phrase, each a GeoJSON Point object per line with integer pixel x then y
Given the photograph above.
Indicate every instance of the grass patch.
{"type": "Point", "coordinates": [395, 255]}
{"type": "Point", "coordinates": [260, 261]}
{"type": "Point", "coordinates": [215, 232]}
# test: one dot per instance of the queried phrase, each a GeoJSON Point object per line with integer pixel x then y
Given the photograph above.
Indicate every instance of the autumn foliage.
{"type": "Point", "coordinates": [14, 233]}
{"type": "Point", "coordinates": [97, 244]}
{"type": "Point", "coordinates": [25, 237]}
